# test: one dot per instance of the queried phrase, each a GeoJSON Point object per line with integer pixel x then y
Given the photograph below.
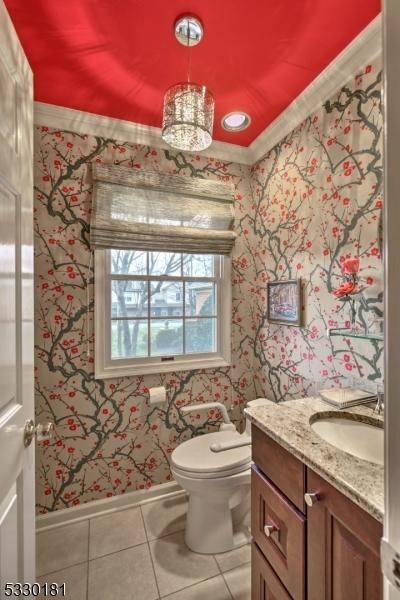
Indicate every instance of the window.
{"type": "Point", "coordinates": [161, 311]}
{"type": "Point", "coordinates": [160, 303]}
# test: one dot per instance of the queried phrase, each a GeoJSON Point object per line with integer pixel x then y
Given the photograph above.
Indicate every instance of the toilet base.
{"type": "Point", "coordinates": [218, 523]}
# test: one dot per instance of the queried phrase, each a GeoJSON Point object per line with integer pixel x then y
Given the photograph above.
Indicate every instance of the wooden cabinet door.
{"type": "Point", "coordinates": [265, 585]}
{"type": "Point", "coordinates": [343, 547]}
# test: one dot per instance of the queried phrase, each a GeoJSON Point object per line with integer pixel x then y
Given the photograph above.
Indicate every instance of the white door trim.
{"type": "Point", "coordinates": [363, 49]}
{"type": "Point", "coordinates": [392, 281]}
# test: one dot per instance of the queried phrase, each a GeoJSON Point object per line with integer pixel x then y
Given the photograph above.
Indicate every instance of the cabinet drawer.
{"type": "Point", "coordinates": [281, 467]}
{"type": "Point", "coordinates": [279, 531]}
{"type": "Point", "coordinates": [265, 585]}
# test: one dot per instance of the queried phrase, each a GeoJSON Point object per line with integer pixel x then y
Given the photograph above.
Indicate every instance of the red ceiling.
{"type": "Point", "coordinates": [117, 57]}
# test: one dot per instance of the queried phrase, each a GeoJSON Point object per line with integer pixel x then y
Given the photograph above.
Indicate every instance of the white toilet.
{"type": "Point", "coordinates": [218, 484]}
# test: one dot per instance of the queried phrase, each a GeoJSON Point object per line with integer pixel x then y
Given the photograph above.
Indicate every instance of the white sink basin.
{"type": "Point", "coordinates": [355, 437]}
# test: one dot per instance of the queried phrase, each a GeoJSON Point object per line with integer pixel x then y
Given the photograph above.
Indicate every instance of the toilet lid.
{"type": "Point", "coordinates": [195, 455]}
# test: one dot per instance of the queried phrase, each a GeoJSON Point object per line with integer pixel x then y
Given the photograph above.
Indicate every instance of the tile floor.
{"type": "Point", "coordinates": [139, 554]}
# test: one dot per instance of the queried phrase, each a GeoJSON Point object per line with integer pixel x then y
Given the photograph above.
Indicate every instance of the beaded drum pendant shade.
{"type": "Point", "coordinates": [188, 116]}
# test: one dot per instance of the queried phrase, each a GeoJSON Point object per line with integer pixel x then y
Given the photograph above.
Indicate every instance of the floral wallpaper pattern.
{"type": "Point", "coordinates": [108, 439]}
{"type": "Point", "coordinates": [317, 201]}
{"type": "Point", "coordinates": [311, 202]}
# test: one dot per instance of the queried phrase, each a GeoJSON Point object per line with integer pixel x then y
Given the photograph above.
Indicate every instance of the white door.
{"type": "Point", "coordinates": [17, 519]}
{"type": "Point", "coordinates": [391, 541]}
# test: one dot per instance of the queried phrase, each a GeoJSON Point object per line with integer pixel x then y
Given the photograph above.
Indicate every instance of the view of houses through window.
{"type": "Point", "coordinates": [162, 303]}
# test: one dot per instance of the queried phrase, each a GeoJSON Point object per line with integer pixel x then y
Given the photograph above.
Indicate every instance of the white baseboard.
{"type": "Point", "coordinates": [97, 508]}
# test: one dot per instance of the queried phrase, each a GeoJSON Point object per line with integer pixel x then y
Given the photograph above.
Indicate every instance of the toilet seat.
{"type": "Point", "coordinates": [214, 475]}
{"type": "Point", "coordinates": [194, 458]}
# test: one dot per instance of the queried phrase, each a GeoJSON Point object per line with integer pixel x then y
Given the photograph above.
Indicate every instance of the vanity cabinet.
{"type": "Point", "coordinates": [327, 549]}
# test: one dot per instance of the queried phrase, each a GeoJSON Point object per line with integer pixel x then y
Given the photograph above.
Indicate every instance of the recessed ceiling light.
{"type": "Point", "coordinates": [236, 121]}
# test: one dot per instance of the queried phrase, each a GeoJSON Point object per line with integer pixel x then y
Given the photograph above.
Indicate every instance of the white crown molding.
{"type": "Point", "coordinates": [60, 117]}
{"type": "Point", "coordinates": [364, 48]}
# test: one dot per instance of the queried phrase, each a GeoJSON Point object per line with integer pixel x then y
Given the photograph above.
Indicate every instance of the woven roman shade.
{"type": "Point", "coordinates": [141, 210]}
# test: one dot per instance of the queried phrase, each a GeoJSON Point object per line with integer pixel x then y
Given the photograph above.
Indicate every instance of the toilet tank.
{"type": "Point", "coordinates": [253, 403]}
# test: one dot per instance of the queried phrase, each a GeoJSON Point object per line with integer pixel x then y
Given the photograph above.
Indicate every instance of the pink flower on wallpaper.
{"type": "Point", "coordinates": [346, 288]}
{"type": "Point", "coordinates": [351, 266]}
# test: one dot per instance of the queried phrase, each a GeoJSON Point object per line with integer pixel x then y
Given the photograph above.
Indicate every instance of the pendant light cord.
{"type": "Point", "coordinates": [189, 64]}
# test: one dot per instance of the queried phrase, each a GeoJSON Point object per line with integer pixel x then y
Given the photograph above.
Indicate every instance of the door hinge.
{"type": "Point", "coordinates": [390, 563]}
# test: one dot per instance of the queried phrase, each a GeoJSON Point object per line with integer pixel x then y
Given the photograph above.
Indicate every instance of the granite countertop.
{"type": "Point", "coordinates": [288, 423]}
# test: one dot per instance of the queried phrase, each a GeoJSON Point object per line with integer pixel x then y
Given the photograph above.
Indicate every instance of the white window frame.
{"type": "Point", "coordinates": [105, 367]}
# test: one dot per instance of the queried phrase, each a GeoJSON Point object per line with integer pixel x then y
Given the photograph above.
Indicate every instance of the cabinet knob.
{"type": "Point", "coordinates": [269, 529]}
{"type": "Point", "coordinates": [310, 498]}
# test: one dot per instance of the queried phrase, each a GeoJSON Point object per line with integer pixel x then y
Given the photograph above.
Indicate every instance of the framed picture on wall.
{"type": "Point", "coordinates": [284, 302]}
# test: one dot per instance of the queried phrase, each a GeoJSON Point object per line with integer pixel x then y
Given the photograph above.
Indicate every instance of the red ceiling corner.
{"type": "Point", "coordinates": [116, 58]}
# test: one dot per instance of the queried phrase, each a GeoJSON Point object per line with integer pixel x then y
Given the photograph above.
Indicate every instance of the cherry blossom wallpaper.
{"type": "Point", "coordinates": [317, 201]}
{"type": "Point", "coordinates": [108, 439]}
{"type": "Point", "coordinates": [312, 202]}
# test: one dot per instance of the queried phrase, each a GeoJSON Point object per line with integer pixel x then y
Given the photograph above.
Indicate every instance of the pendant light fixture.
{"type": "Point", "coordinates": [188, 107]}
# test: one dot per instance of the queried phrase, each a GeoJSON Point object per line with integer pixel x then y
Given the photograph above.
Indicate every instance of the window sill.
{"type": "Point", "coordinates": [108, 372]}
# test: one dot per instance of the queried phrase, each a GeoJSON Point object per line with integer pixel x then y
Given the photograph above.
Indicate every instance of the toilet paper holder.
{"type": "Point", "coordinates": [158, 395]}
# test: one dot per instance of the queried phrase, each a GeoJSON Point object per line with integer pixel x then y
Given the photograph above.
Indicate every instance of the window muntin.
{"type": "Point", "coordinates": [162, 305]}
